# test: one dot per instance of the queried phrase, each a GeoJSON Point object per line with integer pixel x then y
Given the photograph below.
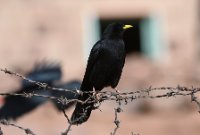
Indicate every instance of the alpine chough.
{"type": "Point", "coordinates": [104, 68]}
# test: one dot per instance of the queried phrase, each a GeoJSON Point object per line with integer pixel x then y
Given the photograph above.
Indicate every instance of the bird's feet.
{"type": "Point", "coordinates": [117, 90]}
{"type": "Point", "coordinates": [97, 97]}
{"type": "Point", "coordinates": [118, 93]}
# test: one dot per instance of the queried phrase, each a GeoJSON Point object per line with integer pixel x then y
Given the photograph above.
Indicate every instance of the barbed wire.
{"type": "Point", "coordinates": [97, 98]}
{"type": "Point", "coordinates": [39, 84]}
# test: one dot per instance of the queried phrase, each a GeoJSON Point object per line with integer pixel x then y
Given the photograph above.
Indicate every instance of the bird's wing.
{"type": "Point", "coordinates": [93, 58]}
{"type": "Point", "coordinates": [43, 72]}
{"type": "Point", "coordinates": [94, 55]}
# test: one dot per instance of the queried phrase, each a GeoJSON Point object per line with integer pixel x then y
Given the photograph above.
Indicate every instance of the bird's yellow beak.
{"type": "Point", "coordinates": [127, 27]}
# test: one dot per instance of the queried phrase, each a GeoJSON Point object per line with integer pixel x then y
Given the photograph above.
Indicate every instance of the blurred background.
{"type": "Point", "coordinates": [163, 49]}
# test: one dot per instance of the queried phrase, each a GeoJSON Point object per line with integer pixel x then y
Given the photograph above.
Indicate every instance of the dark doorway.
{"type": "Point", "coordinates": [131, 37]}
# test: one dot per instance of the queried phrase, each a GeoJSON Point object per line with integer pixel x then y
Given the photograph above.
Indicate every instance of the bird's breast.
{"type": "Point", "coordinates": [114, 52]}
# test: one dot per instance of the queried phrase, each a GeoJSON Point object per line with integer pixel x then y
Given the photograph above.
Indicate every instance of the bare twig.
{"type": "Point", "coordinates": [70, 124]}
{"type": "Point", "coordinates": [116, 121]}
{"type": "Point", "coordinates": [1, 132]}
{"type": "Point", "coordinates": [66, 116]}
{"type": "Point", "coordinates": [26, 130]}
{"type": "Point", "coordinates": [68, 129]}
{"type": "Point", "coordinates": [194, 99]}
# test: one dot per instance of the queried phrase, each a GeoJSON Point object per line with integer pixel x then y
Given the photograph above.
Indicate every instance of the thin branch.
{"type": "Point", "coordinates": [68, 129]}
{"type": "Point", "coordinates": [116, 121]}
{"type": "Point", "coordinates": [70, 124]}
{"type": "Point", "coordinates": [1, 132]}
{"type": "Point", "coordinates": [26, 130]}
{"type": "Point", "coordinates": [194, 99]}
{"type": "Point", "coordinates": [66, 116]}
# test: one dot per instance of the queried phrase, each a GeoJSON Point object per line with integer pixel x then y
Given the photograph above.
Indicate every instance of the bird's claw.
{"type": "Point", "coordinates": [117, 91]}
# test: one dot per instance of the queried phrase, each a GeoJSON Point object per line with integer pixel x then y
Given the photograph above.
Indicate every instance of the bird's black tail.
{"type": "Point", "coordinates": [82, 111]}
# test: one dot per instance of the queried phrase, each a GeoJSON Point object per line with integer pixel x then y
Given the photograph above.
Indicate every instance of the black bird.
{"type": "Point", "coordinates": [16, 106]}
{"type": "Point", "coordinates": [104, 68]}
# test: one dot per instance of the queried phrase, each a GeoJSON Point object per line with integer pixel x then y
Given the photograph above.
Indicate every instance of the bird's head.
{"type": "Point", "coordinates": [115, 30]}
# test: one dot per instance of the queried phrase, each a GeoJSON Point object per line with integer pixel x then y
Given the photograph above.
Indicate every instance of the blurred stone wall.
{"type": "Point", "coordinates": [33, 30]}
